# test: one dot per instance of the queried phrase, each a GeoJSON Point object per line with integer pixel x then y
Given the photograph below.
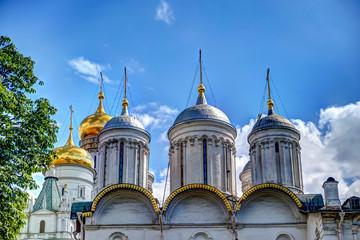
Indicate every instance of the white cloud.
{"type": "Point", "coordinates": [88, 70]}
{"type": "Point", "coordinates": [159, 186]}
{"type": "Point", "coordinates": [134, 66]}
{"type": "Point", "coordinates": [164, 13]}
{"type": "Point", "coordinates": [155, 116]}
{"type": "Point", "coordinates": [242, 150]}
{"type": "Point", "coordinates": [329, 148]}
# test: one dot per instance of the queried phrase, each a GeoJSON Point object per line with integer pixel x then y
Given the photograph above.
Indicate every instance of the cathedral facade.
{"type": "Point", "coordinates": [103, 189]}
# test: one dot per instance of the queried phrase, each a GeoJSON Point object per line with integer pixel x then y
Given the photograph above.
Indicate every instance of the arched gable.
{"type": "Point", "coordinates": [196, 203]}
{"type": "Point", "coordinates": [265, 200]}
{"type": "Point", "coordinates": [124, 203]}
{"type": "Point", "coordinates": [268, 186]}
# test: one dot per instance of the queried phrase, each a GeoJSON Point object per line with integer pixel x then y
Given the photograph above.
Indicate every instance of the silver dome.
{"type": "Point", "coordinates": [247, 166]}
{"type": "Point", "coordinates": [201, 112]}
{"type": "Point", "coordinates": [273, 121]}
{"type": "Point", "coordinates": [124, 121]}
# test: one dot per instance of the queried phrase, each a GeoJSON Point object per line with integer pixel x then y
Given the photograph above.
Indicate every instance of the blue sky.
{"type": "Point", "coordinates": [312, 48]}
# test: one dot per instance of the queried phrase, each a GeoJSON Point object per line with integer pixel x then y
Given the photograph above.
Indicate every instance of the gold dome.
{"type": "Point", "coordinates": [93, 124]}
{"type": "Point", "coordinates": [70, 153]}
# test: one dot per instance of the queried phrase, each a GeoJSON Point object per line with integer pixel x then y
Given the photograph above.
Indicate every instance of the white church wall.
{"type": "Point", "coordinates": [269, 206]}
{"type": "Point", "coordinates": [109, 232]}
{"type": "Point", "coordinates": [76, 177]}
{"type": "Point", "coordinates": [197, 232]}
{"type": "Point", "coordinates": [50, 219]}
{"type": "Point", "coordinates": [274, 232]}
{"type": "Point", "coordinates": [196, 206]}
{"type": "Point", "coordinates": [314, 226]}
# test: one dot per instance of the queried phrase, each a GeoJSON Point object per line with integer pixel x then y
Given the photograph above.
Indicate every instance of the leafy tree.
{"type": "Point", "coordinates": [27, 133]}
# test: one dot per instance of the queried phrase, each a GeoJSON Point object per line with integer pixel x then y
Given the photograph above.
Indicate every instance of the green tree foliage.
{"type": "Point", "coordinates": [27, 133]}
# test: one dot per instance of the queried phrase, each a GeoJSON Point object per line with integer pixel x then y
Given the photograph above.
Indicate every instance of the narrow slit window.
{"type": "Point", "coordinates": [138, 165]}
{"type": "Point", "coordinates": [227, 170]}
{"type": "Point", "coordinates": [182, 164]}
{"type": "Point", "coordinates": [121, 162]}
{"type": "Point", "coordinates": [95, 161]}
{"type": "Point", "coordinates": [205, 160]}
{"type": "Point", "coordinates": [104, 178]}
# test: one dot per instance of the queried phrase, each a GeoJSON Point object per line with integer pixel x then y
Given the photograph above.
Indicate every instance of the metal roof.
{"type": "Point", "coordinates": [49, 197]}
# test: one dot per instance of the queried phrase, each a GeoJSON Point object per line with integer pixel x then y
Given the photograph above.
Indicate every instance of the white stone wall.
{"type": "Point", "coordinates": [188, 138]}
{"type": "Point", "coordinates": [245, 178]}
{"type": "Point", "coordinates": [76, 177]}
{"type": "Point", "coordinates": [314, 226]}
{"type": "Point", "coordinates": [32, 228]}
{"type": "Point", "coordinates": [331, 194]}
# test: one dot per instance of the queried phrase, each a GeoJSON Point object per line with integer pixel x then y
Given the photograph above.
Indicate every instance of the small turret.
{"type": "Point", "coordinates": [331, 192]}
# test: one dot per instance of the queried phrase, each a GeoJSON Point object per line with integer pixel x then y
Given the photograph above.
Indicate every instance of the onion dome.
{"type": "Point", "coordinates": [125, 121]}
{"type": "Point", "coordinates": [201, 111]}
{"type": "Point", "coordinates": [70, 153]}
{"type": "Point", "coordinates": [272, 120]}
{"type": "Point", "coordinates": [93, 124]}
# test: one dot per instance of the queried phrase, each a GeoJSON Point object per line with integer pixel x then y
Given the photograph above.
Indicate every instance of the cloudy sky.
{"type": "Point", "coordinates": [312, 48]}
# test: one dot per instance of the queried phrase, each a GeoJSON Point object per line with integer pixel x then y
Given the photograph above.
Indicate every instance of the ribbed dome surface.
{"type": "Point", "coordinates": [201, 112]}
{"type": "Point", "coordinates": [72, 154]}
{"type": "Point", "coordinates": [273, 121]}
{"type": "Point", "coordinates": [93, 124]}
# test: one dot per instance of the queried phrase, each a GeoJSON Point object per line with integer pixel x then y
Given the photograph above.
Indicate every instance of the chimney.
{"type": "Point", "coordinates": [332, 200]}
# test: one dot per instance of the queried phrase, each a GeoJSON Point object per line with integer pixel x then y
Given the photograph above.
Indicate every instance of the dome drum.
{"type": "Point", "coordinates": [199, 128]}
{"type": "Point", "coordinates": [90, 144]}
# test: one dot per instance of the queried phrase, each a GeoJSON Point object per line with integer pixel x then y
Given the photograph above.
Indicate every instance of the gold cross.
{"type": "Point", "coordinates": [71, 114]}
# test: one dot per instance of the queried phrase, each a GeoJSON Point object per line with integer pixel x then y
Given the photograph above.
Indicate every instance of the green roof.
{"type": "Point", "coordinates": [49, 197]}
{"type": "Point", "coordinates": [79, 207]}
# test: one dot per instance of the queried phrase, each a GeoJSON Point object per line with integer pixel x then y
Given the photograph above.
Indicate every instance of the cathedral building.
{"type": "Point", "coordinates": [103, 189]}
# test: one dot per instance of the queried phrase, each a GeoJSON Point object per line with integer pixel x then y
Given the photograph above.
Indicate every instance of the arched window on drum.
{"type": "Point", "coordinates": [121, 163]}
{"type": "Point", "coordinates": [205, 161]}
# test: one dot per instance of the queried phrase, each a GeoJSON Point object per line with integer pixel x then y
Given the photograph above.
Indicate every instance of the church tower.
{"type": "Point", "coordinates": [91, 126]}
{"type": "Point", "coordinates": [73, 169]}
{"type": "Point", "coordinates": [123, 152]}
{"type": "Point", "coordinates": [275, 150]}
{"type": "Point", "coordinates": [202, 147]}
